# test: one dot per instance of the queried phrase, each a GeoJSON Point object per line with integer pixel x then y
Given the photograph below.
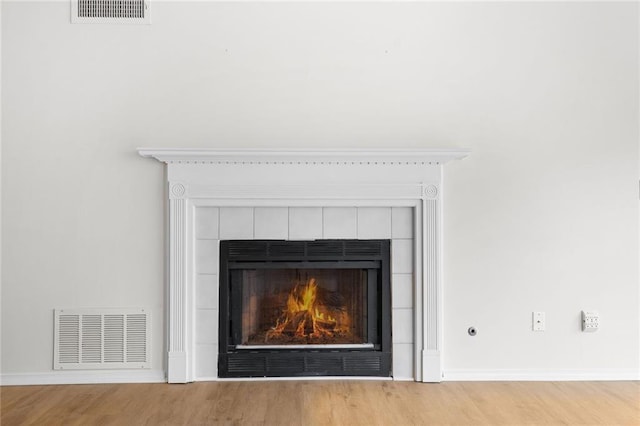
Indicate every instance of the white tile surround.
{"type": "Point", "coordinates": [215, 195]}
{"type": "Point", "coordinates": [323, 222]}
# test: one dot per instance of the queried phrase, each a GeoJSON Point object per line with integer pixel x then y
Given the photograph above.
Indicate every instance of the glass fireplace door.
{"type": "Point", "coordinates": [295, 306]}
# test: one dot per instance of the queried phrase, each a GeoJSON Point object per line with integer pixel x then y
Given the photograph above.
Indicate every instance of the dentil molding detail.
{"type": "Point", "coordinates": [346, 157]}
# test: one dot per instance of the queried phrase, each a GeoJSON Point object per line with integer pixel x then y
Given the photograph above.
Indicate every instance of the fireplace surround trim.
{"type": "Point", "coordinates": [287, 178]}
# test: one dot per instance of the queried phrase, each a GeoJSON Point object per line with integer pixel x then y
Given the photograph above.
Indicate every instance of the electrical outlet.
{"type": "Point", "coordinates": [590, 321]}
{"type": "Point", "coordinates": [539, 323]}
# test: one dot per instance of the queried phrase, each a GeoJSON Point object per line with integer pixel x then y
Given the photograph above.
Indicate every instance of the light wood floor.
{"type": "Point", "coordinates": [326, 403]}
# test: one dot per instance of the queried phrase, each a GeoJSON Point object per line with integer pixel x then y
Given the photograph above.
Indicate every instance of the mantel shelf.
{"type": "Point", "coordinates": [289, 156]}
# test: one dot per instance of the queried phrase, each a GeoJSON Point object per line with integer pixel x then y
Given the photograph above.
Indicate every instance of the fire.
{"type": "Point", "coordinates": [304, 316]}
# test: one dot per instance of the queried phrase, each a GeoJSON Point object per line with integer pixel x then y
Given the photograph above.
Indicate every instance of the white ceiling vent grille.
{"type": "Point", "coordinates": [87, 339]}
{"type": "Point", "coordinates": [110, 12]}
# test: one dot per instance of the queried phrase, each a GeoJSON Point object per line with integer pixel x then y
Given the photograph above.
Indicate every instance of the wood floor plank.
{"type": "Point", "coordinates": [320, 403]}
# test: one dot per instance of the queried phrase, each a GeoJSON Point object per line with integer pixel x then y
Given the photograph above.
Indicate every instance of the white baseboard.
{"type": "Point", "coordinates": [83, 377]}
{"type": "Point", "coordinates": [471, 375]}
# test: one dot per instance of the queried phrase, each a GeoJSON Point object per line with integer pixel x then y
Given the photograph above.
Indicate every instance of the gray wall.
{"type": "Point", "coordinates": [542, 216]}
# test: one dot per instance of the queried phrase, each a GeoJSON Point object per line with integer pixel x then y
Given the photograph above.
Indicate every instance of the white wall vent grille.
{"type": "Point", "coordinates": [87, 339]}
{"type": "Point", "coordinates": [110, 11]}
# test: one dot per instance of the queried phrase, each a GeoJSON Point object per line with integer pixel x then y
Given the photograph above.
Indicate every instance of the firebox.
{"type": "Point", "coordinates": [304, 308]}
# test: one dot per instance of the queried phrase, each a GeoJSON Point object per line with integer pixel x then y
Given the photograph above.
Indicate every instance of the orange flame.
{"type": "Point", "coordinates": [303, 316]}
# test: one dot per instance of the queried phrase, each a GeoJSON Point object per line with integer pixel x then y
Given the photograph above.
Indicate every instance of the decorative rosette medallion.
{"type": "Point", "coordinates": [178, 190]}
{"type": "Point", "coordinates": [431, 191]}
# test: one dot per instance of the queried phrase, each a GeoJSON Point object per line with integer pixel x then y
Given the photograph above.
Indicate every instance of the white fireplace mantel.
{"type": "Point", "coordinates": [336, 156]}
{"type": "Point", "coordinates": [295, 178]}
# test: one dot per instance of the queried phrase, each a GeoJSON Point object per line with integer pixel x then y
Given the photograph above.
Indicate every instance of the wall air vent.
{"type": "Point", "coordinates": [110, 12]}
{"type": "Point", "coordinates": [88, 339]}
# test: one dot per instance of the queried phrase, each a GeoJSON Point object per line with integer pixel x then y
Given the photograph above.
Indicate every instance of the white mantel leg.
{"type": "Point", "coordinates": [177, 368]}
{"type": "Point", "coordinates": [431, 294]}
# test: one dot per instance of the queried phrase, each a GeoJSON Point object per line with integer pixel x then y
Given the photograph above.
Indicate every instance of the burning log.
{"type": "Point", "coordinates": [293, 322]}
{"type": "Point", "coordinates": [326, 324]}
{"type": "Point", "coordinates": [303, 317]}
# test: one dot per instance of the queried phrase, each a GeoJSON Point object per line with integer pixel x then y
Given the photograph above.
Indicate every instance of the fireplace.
{"type": "Point", "coordinates": [304, 308]}
{"type": "Point", "coordinates": [216, 195]}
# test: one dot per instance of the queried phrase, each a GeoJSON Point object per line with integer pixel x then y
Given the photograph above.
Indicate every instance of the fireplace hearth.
{"type": "Point", "coordinates": [304, 308]}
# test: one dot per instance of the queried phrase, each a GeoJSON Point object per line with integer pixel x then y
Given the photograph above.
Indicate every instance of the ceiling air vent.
{"type": "Point", "coordinates": [110, 12]}
{"type": "Point", "coordinates": [87, 339]}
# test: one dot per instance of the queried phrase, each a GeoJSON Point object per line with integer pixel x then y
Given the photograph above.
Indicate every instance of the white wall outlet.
{"type": "Point", "coordinates": [590, 321]}
{"type": "Point", "coordinates": [539, 323]}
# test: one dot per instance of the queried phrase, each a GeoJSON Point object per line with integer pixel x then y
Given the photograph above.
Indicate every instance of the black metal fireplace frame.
{"type": "Point", "coordinates": [372, 255]}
